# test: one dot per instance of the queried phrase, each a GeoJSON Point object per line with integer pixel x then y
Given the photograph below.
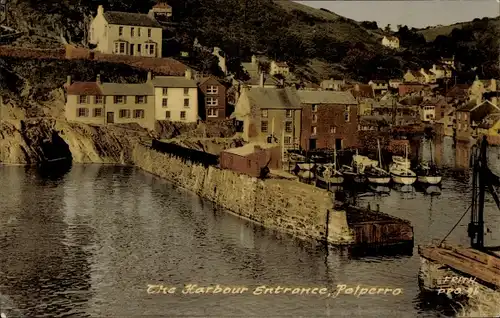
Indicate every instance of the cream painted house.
{"type": "Point", "coordinates": [176, 97]}
{"type": "Point", "coordinates": [126, 33]}
{"type": "Point", "coordinates": [99, 103]}
{"type": "Point", "coordinates": [441, 71]}
{"type": "Point", "coordinates": [270, 115]}
{"type": "Point", "coordinates": [394, 83]}
{"type": "Point", "coordinates": [279, 68]}
{"type": "Point", "coordinates": [390, 41]}
{"type": "Point", "coordinates": [479, 87]}
{"type": "Point", "coordinates": [412, 76]}
{"type": "Point", "coordinates": [429, 76]}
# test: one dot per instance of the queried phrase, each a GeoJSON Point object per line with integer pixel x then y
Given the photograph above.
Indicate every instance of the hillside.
{"type": "Point", "coordinates": [282, 30]}
{"type": "Point", "coordinates": [430, 33]}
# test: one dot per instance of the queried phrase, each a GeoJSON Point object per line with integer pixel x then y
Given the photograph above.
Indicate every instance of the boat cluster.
{"type": "Point", "coordinates": [366, 170]}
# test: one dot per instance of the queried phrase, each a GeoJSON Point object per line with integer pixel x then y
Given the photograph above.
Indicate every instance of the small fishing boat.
{"type": "Point", "coordinates": [355, 172]}
{"type": "Point", "coordinates": [304, 171]}
{"type": "Point", "coordinates": [400, 172]}
{"type": "Point", "coordinates": [328, 173]}
{"type": "Point", "coordinates": [376, 174]}
{"type": "Point", "coordinates": [428, 173]}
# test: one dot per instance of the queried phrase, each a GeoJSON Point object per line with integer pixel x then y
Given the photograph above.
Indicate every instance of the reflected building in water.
{"type": "Point", "coordinates": [463, 154]}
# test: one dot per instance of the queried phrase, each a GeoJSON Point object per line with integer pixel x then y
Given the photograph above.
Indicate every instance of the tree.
{"type": "Point", "coordinates": [387, 28]}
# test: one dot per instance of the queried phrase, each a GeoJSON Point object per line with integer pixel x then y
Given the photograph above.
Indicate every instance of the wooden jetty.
{"type": "Point", "coordinates": [375, 228]}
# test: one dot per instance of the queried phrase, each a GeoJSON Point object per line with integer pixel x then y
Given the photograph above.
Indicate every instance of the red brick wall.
{"type": "Point", "coordinates": [406, 89]}
{"type": "Point", "coordinates": [252, 163]}
{"type": "Point", "coordinates": [398, 146]}
{"type": "Point", "coordinates": [221, 97]}
{"type": "Point", "coordinates": [493, 140]}
{"type": "Point", "coordinates": [32, 53]}
{"type": "Point", "coordinates": [329, 115]}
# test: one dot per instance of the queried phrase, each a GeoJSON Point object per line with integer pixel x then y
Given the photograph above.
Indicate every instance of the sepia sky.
{"type": "Point", "coordinates": [414, 13]}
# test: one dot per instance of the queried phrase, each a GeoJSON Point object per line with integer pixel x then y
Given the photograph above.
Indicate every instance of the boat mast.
{"type": "Point", "coordinates": [476, 226]}
{"type": "Point", "coordinates": [379, 154]}
{"type": "Point", "coordinates": [335, 157]}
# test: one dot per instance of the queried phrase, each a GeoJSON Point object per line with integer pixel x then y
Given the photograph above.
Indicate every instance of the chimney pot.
{"type": "Point", "coordinates": [149, 77]}
{"type": "Point", "coordinates": [188, 74]}
{"type": "Point", "coordinates": [98, 79]}
{"type": "Point", "coordinates": [68, 80]}
{"type": "Point", "coordinates": [261, 80]}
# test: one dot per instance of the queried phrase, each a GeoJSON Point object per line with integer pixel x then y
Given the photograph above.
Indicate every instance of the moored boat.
{"type": "Point", "coordinates": [428, 173]}
{"type": "Point", "coordinates": [329, 175]}
{"type": "Point", "coordinates": [400, 171]}
{"type": "Point", "coordinates": [375, 174]}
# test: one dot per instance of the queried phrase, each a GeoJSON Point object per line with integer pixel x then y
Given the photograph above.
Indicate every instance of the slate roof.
{"type": "Point", "coordinates": [479, 111]}
{"type": "Point", "coordinates": [113, 89]}
{"type": "Point", "coordinates": [128, 18]}
{"type": "Point", "coordinates": [173, 81]}
{"type": "Point", "coordinates": [268, 80]}
{"type": "Point", "coordinates": [84, 88]}
{"type": "Point", "coordinates": [326, 97]}
{"type": "Point", "coordinates": [490, 120]}
{"type": "Point", "coordinates": [274, 98]}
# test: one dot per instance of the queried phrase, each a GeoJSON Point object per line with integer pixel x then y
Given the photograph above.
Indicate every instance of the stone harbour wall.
{"type": "Point", "coordinates": [286, 205]}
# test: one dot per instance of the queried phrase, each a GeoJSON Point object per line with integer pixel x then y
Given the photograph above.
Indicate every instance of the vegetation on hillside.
{"type": "Point", "coordinates": [282, 30]}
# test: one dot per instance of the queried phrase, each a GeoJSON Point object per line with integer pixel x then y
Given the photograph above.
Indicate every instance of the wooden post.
{"type": "Point", "coordinates": [327, 226]}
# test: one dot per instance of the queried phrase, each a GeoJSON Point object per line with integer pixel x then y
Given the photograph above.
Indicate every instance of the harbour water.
{"type": "Point", "coordinates": [88, 243]}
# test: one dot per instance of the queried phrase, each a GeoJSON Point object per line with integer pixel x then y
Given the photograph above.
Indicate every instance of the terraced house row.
{"type": "Point", "coordinates": [173, 98]}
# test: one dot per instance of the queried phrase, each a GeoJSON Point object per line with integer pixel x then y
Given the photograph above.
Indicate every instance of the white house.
{"type": "Point", "coordinates": [427, 111]}
{"type": "Point", "coordinates": [126, 33]}
{"type": "Point", "coordinates": [379, 86]}
{"type": "Point", "coordinates": [394, 83]}
{"type": "Point", "coordinates": [279, 68]}
{"type": "Point", "coordinates": [176, 97]}
{"type": "Point", "coordinates": [441, 71]}
{"type": "Point", "coordinates": [390, 41]}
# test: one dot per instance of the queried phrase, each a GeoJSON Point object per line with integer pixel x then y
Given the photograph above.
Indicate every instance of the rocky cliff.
{"type": "Point", "coordinates": [32, 140]}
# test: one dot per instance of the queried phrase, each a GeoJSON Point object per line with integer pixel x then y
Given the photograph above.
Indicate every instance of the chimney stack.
{"type": "Point", "coordinates": [254, 60]}
{"type": "Point", "coordinates": [149, 77]}
{"type": "Point", "coordinates": [98, 79]}
{"type": "Point", "coordinates": [100, 10]}
{"type": "Point", "coordinates": [68, 80]}
{"type": "Point", "coordinates": [188, 74]}
{"type": "Point", "coordinates": [261, 79]}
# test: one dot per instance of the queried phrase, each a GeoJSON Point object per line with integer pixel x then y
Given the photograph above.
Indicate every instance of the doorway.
{"type": "Point", "coordinates": [110, 117]}
{"type": "Point", "coordinates": [338, 144]}
{"type": "Point", "coordinates": [312, 144]}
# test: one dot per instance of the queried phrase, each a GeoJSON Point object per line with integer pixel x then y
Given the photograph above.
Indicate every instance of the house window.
{"type": "Point", "coordinates": [167, 114]}
{"type": "Point", "coordinates": [333, 129]}
{"type": "Point", "coordinates": [119, 99]}
{"type": "Point", "coordinates": [211, 101]}
{"type": "Point", "coordinates": [212, 89]}
{"type": "Point", "coordinates": [149, 33]}
{"type": "Point", "coordinates": [314, 118]}
{"type": "Point", "coordinates": [186, 91]}
{"type": "Point", "coordinates": [186, 102]}
{"type": "Point", "coordinates": [121, 48]}
{"type": "Point", "coordinates": [269, 139]}
{"type": "Point", "coordinates": [139, 113]}
{"type": "Point", "coordinates": [183, 115]}
{"type": "Point", "coordinates": [98, 99]}
{"type": "Point", "coordinates": [165, 91]}
{"type": "Point", "coordinates": [82, 112]}
{"type": "Point", "coordinates": [124, 113]}
{"type": "Point", "coordinates": [140, 99]}
{"type": "Point", "coordinates": [138, 32]}
{"type": "Point", "coordinates": [263, 126]}
{"type": "Point", "coordinates": [132, 32]}
{"type": "Point", "coordinates": [314, 108]}
{"type": "Point", "coordinates": [139, 47]}
{"type": "Point", "coordinates": [263, 113]}
{"type": "Point", "coordinates": [120, 31]}
{"type": "Point", "coordinates": [288, 126]}
{"type": "Point", "coordinates": [212, 112]}
{"type": "Point", "coordinates": [97, 112]}
{"type": "Point", "coordinates": [314, 130]}
{"type": "Point", "coordinates": [347, 117]}
{"type": "Point", "coordinates": [288, 140]}
{"type": "Point", "coordinates": [347, 108]}
{"type": "Point", "coordinates": [151, 49]}
{"type": "Point", "coordinates": [82, 99]}
{"type": "Point", "coordinates": [288, 113]}
{"type": "Point", "coordinates": [164, 102]}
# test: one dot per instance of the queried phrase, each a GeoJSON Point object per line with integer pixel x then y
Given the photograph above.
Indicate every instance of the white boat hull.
{"type": "Point", "coordinates": [407, 180]}
{"type": "Point", "coordinates": [379, 180]}
{"type": "Point", "coordinates": [429, 179]}
{"type": "Point", "coordinates": [333, 180]}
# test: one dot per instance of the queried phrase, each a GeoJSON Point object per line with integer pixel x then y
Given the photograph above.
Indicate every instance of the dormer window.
{"type": "Point", "coordinates": [120, 31]}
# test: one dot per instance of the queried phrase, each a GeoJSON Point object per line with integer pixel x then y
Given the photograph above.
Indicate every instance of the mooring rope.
{"type": "Point", "coordinates": [465, 213]}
